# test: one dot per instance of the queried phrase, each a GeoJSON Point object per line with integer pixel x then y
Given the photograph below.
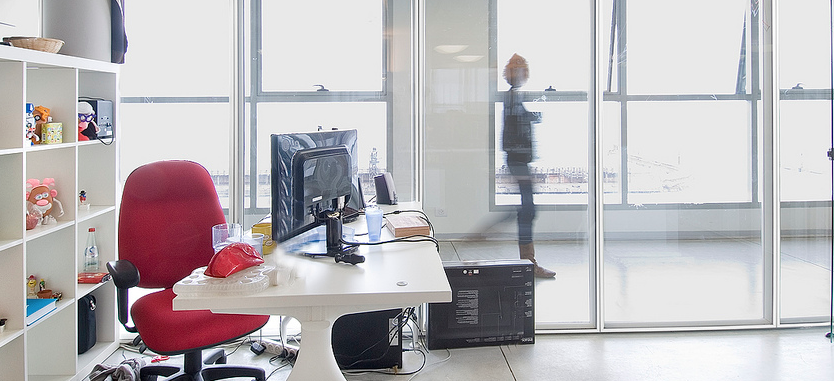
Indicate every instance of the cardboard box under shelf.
{"type": "Point", "coordinates": [405, 225]}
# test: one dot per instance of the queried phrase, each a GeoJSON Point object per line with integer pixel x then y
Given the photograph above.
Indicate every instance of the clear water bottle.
{"type": "Point", "coordinates": [91, 252]}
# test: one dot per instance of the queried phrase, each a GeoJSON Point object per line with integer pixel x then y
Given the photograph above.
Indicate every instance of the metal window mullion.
{"type": "Point", "coordinates": [238, 122]}
{"type": "Point", "coordinates": [255, 90]}
{"type": "Point", "coordinates": [755, 80]}
{"type": "Point", "coordinates": [622, 89]}
{"type": "Point", "coordinates": [596, 196]}
{"type": "Point", "coordinates": [771, 223]}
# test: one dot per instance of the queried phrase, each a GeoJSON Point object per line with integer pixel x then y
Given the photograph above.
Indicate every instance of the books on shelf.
{"type": "Point", "coordinates": [38, 308]}
{"type": "Point", "coordinates": [93, 278]}
{"type": "Point", "coordinates": [405, 225]}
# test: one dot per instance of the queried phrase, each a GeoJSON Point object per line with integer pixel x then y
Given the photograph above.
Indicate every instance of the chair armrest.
{"type": "Point", "coordinates": [125, 275]}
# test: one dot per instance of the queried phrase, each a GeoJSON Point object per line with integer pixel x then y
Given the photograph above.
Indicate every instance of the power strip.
{"type": "Point", "coordinates": [276, 348]}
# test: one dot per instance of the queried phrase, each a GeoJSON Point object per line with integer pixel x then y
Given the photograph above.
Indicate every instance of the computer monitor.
{"type": "Point", "coordinates": [314, 180]}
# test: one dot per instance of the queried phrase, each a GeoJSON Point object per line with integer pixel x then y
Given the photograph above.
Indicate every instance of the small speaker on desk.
{"type": "Point", "coordinates": [385, 193]}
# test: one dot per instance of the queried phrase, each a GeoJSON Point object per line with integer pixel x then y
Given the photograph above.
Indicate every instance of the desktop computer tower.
{"type": "Point", "coordinates": [369, 340]}
{"type": "Point", "coordinates": [492, 304]}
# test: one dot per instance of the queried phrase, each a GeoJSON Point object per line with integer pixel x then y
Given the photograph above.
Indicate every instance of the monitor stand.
{"type": "Point", "coordinates": [335, 248]}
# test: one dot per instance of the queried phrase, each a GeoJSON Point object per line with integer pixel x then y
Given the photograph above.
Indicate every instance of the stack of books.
{"type": "Point", "coordinates": [404, 225]}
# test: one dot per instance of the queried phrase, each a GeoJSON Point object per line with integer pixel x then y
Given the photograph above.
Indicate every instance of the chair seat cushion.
{"type": "Point", "coordinates": [166, 331]}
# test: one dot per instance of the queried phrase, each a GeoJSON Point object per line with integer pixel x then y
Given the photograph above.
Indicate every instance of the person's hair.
{"type": "Point", "coordinates": [516, 70]}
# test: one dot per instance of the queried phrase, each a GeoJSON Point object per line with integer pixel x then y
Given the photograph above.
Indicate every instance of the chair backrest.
{"type": "Point", "coordinates": [165, 220]}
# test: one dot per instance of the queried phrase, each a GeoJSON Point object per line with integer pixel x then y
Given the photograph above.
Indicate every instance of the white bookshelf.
{"type": "Point", "coordinates": [47, 349]}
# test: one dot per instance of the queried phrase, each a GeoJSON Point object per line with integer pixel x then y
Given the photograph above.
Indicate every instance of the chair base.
{"type": "Point", "coordinates": [193, 369]}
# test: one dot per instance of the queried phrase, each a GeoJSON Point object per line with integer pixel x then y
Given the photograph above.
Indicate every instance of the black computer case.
{"type": "Point", "coordinates": [492, 304]}
{"type": "Point", "coordinates": [369, 340]}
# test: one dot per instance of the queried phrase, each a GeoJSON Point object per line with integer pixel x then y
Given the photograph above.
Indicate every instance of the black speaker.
{"type": "Point", "coordinates": [385, 193]}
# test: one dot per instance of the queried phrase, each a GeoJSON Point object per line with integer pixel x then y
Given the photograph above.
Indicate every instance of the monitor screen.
{"type": "Point", "coordinates": [309, 171]}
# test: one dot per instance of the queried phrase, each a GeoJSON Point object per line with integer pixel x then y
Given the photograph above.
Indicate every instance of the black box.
{"type": "Point", "coordinates": [369, 340]}
{"type": "Point", "coordinates": [492, 304]}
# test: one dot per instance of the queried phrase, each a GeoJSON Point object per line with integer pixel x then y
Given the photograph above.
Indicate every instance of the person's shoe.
{"type": "Point", "coordinates": [528, 251]}
{"type": "Point", "coordinates": [541, 272]}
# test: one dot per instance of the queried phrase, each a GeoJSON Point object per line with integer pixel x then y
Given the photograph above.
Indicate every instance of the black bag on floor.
{"type": "Point", "coordinates": [86, 323]}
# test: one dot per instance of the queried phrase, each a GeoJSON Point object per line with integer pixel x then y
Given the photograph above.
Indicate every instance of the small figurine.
{"type": "Point", "coordinates": [2, 325]}
{"type": "Point", "coordinates": [82, 201]}
{"type": "Point", "coordinates": [31, 284]}
{"type": "Point", "coordinates": [42, 285]}
{"type": "Point", "coordinates": [86, 116]}
{"type": "Point", "coordinates": [42, 117]}
{"type": "Point", "coordinates": [40, 199]}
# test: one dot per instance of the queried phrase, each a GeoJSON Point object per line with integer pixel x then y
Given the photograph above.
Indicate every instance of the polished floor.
{"type": "Point", "coordinates": [678, 282]}
{"type": "Point", "coordinates": [669, 282]}
{"type": "Point", "coordinates": [775, 354]}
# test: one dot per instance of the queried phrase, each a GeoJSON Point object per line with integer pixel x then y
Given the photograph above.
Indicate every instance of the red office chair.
{"type": "Point", "coordinates": [167, 211]}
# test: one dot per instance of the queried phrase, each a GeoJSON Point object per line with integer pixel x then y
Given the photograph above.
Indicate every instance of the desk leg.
{"type": "Point", "coordinates": [315, 356]}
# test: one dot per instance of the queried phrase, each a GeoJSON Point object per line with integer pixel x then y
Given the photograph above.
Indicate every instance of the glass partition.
{"type": "Point", "coordinates": [805, 170]}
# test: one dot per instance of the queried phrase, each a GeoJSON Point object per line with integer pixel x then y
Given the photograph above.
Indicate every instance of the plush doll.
{"type": "Point", "coordinates": [41, 201]}
{"type": "Point", "coordinates": [86, 116]}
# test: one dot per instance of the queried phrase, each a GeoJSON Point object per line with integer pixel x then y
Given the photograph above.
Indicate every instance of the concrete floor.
{"type": "Point", "coordinates": [775, 354]}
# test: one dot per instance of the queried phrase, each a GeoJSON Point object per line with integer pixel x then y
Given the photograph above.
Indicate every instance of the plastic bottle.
{"type": "Point", "coordinates": [91, 252]}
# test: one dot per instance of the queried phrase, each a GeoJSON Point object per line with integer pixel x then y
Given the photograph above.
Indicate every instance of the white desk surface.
{"type": "Point", "coordinates": [393, 275]}
{"type": "Point", "coordinates": [371, 285]}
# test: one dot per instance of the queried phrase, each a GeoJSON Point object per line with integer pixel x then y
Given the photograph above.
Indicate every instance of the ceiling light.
{"type": "Point", "coordinates": [468, 58]}
{"type": "Point", "coordinates": [450, 49]}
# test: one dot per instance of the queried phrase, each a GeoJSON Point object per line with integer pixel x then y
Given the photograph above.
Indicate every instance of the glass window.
{"type": "Point", "coordinates": [175, 85]}
{"type": "Point", "coordinates": [322, 66]}
{"type": "Point", "coordinates": [805, 170]}
{"type": "Point", "coordinates": [684, 246]}
{"type": "Point", "coordinates": [684, 48]}
{"type": "Point", "coordinates": [338, 45]}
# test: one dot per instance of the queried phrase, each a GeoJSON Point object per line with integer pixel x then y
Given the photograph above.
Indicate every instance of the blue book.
{"type": "Point", "coordinates": [38, 308]}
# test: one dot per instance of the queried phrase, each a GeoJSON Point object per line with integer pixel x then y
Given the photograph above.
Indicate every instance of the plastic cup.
{"type": "Point", "coordinates": [224, 234]}
{"type": "Point", "coordinates": [257, 241]}
{"type": "Point", "coordinates": [373, 216]}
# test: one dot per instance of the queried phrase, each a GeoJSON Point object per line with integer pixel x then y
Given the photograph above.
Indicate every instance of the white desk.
{"type": "Point", "coordinates": [325, 290]}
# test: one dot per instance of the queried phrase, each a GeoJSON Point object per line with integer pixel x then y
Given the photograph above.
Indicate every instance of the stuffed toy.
{"type": "Point", "coordinates": [41, 201]}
